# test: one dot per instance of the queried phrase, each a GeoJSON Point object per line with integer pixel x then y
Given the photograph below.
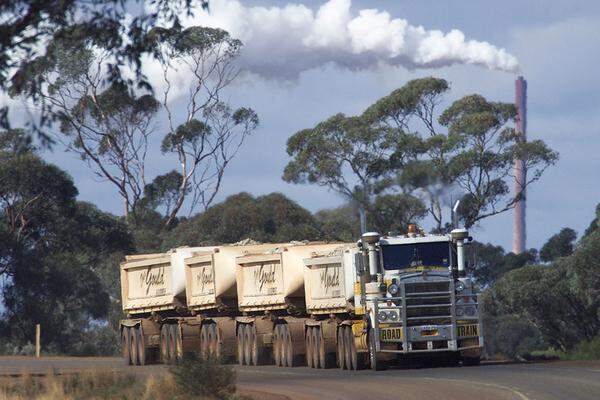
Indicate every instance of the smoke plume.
{"type": "Point", "coordinates": [281, 42]}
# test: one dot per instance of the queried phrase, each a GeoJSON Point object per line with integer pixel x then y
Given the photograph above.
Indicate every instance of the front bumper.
{"type": "Point", "coordinates": [404, 336]}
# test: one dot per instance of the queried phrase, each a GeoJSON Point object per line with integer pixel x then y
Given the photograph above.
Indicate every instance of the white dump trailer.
{"type": "Point", "coordinates": [153, 297]}
{"type": "Point", "coordinates": [271, 296]}
{"type": "Point", "coordinates": [329, 280]}
{"type": "Point", "coordinates": [211, 293]}
{"type": "Point", "coordinates": [211, 276]}
{"type": "Point", "coordinates": [155, 282]}
{"type": "Point", "coordinates": [331, 284]}
{"type": "Point", "coordinates": [182, 300]}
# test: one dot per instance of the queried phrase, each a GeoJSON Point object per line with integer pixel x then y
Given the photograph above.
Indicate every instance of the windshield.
{"type": "Point", "coordinates": [402, 256]}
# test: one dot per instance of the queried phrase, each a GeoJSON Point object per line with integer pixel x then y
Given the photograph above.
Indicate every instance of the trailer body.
{"type": "Point", "coordinates": [210, 281]}
{"type": "Point", "coordinates": [329, 280]}
{"type": "Point", "coordinates": [155, 282]}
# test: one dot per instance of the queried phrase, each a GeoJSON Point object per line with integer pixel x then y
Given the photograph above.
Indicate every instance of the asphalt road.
{"type": "Point", "coordinates": [563, 380]}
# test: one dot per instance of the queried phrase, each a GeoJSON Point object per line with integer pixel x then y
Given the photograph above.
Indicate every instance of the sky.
{"type": "Point", "coordinates": [556, 43]}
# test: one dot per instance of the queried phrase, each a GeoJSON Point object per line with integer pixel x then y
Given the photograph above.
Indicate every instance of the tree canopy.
{"type": "Point", "coordinates": [28, 26]}
{"type": "Point", "coordinates": [403, 146]}
{"type": "Point", "coordinates": [52, 250]}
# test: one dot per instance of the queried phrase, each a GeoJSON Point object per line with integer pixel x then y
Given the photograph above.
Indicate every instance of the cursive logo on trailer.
{"type": "Point", "coordinates": [327, 281]}
{"type": "Point", "coordinates": [153, 278]}
{"type": "Point", "coordinates": [262, 279]}
{"type": "Point", "coordinates": [205, 279]}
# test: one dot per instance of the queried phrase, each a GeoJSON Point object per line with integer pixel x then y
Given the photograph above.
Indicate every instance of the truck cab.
{"type": "Point", "coordinates": [418, 297]}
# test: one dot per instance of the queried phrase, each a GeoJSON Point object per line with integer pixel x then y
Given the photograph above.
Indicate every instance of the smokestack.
{"type": "Point", "coordinates": [520, 225]}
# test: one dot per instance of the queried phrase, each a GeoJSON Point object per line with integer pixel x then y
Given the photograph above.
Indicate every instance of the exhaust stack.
{"type": "Point", "coordinates": [519, 225]}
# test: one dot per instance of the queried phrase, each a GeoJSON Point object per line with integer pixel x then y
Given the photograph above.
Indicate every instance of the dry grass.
{"type": "Point", "coordinates": [105, 384]}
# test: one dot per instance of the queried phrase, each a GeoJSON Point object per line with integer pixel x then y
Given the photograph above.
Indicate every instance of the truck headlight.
{"type": "Point", "coordinates": [470, 311]}
{"type": "Point", "coordinates": [393, 289]}
{"type": "Point", "coordinates": [382, 316]}
{"type": "Point", "coordinates": [460, 286]}
{"type": "Point", "coordinates": [460, 311]}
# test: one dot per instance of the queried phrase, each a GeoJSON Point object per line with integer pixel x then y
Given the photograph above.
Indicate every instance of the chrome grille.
{"type": "Point", "coordinates": [428, 303]}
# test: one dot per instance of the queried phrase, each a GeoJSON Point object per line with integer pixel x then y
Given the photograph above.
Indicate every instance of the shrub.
{"type": "Point", "coordinates": [585, 350]}
{"type": "Point", "coordinates": [511, 336]}
{"type": "Point", "coordinates": [204, 377]}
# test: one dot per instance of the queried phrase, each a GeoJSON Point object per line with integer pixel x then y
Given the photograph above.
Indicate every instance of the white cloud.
{"type": "Point", "coordinates": [281, 42]}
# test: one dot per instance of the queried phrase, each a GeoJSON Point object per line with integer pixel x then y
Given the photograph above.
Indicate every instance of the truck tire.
{"type": "Point", "coordinates": [240, 343]}
{"type": "Point", "coordinates": [348, 345]}
{"type": "Point", "coordinates": [277, 345]}
{"type": "Point", "coordinates": [133, 340]}
{"type": "Point", "coordinates": [142, 349]}
{"type": "Point", "coordinates": [204, 341]}
{"type": "Point", "coordinates": [358, 360]}
{"type": "Point", "coordinates": [309, 347]}
{"type": "Point", "coordinates": [288, 347]}
{"type": "Point", "coordinates": [125, 345]}
{"type": "Point", "coordinates": [318, 358]}
{"type": "Point", "coordinates": [374, 363]}
{"type": "Point", "coordinates": [341, 348]}
{"type": "Point", "coordinates": [164, 344]}
{"type": "Point", "coordinates": [247, 344]}
{"type": "Point", "coordinates": [213, 341]}
{"type": "Point", "coordinates": [173, 333]}
{"type": "Point", "coordinates": [255, 348]}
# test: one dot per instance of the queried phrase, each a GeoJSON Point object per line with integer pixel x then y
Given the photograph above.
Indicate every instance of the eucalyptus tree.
{"type": "Point", "coordinates": [351, 156]}
{"type": "Point", "coordinates": [486, 148]}
{"type": "Point", "coordinates": [27, 26]}
{"type": "Point", "coordinates": [110, 126]}
{"type": "Point", "coordinates": [210, 132]}
{"type": "Point", "coordinates": [404, 145]}
{"type": "Point", "coordinates": [52, 250]}
{"type": "Point", "coordinates": [426, 174]}
{"type": "Point", "coordinates": [107, 126]}
{"type": "Point", "coordinates": [467, 150]}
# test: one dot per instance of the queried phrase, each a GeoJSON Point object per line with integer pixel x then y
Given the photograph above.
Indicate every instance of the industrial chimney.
{"type": "Point", "coordinates": [520, 226]}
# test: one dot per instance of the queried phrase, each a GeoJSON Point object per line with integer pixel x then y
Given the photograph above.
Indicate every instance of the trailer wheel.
{"type": "Point", "coordinates": [316, 342]}
{"type": "Point", "coordinates": [357, 360]}
{"type": "Point", "coordinates": [213, 341]}
{"type": "Point", "coordinates": [341, 348]}
{"type": "Point", "coordinates": [173, 339]}
{"type": "Point", "coordinates": [255, 348]}
{"type": "Point", "coordinates": [204, 341]}
{"type": "Point", "coordinates": [277, 344]}
{"type": "Point", "coordinates": [240, 343]}
{"type": "Point", "coordinates": [309, 339]}
{"type": "Point", "coordinates": [247, 344]}
{"type": "Point", "coordinates": [133, 340]}
{"type": "Point", "coordinates": [142, 350]}
{"type": "Point", "coordinates": [164, 344]}
{"type": "Point", "coordinates": [320, 349]}
{"type": "Point", "coordinates": [288, 346]}
{"type": "Point", "coordinates": [125, 345]}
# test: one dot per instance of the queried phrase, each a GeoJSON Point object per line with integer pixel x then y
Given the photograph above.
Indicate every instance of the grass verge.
{"type": "Point", "coordinates": [193, 378]}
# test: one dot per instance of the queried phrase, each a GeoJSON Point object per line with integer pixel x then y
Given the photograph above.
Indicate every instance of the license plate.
{"type": "Point", "coordinates": [468, 330]}
{"type": "Point", "coordinates": [390, 335]}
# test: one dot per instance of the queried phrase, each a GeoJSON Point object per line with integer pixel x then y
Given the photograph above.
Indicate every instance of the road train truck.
{"type": "Point", "coordinates": [350, 305]}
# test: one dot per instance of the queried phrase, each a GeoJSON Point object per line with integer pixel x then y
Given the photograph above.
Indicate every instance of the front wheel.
{"type": "Point", "coordinates": [374, 363]}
